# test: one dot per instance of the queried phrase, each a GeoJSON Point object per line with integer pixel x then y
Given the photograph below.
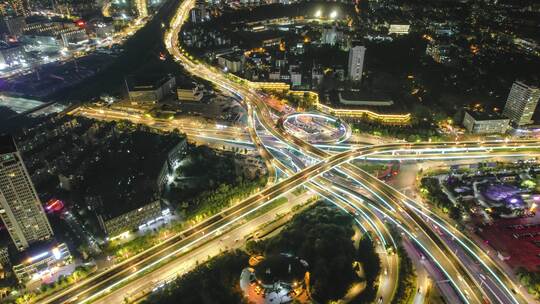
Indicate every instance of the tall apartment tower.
{"type": "Point", "coordinates": [20, 7]}
{"type": "Point", "coordinates": [20, 208]}
{"type": "Point", "coordinates": [356, 62]}
{"type": "Point", "coordinates": [142, 8]}
{"type": "Point", "coordinates": [521, 103]}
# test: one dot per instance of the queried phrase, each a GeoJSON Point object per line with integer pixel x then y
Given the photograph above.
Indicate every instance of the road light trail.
{"type": "Point", "coordinates": [328, 162]}
{"type": "Point", "coordinates": [247, 94]}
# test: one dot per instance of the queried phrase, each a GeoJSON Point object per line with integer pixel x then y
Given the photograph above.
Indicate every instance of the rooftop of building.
{"type": "Point", "coordinates": [232, 56]}
{"type": "Point", "coordinates": [6, 46]}
{"type": "Point", "coordinates": [146, 82]}
{"type": "Point", "coordinates": [35, 252]}
{"type": "Point", "coordinates": [124, 176]}
{"type": "Point", "coordinates": [377, 101]}
{"type": "Point", "coordinates": [479, 116]}
{"type": "Point", "coordinates": [7, 144]}
{"type": "Point", "coordinates": [186, 85]}
{"type": "Point", "coordinates": [526, 84]}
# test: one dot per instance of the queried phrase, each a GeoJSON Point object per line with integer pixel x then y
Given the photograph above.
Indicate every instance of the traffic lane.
{"type": "Point", "coordinates": [451, 269]}
{"type": "Point", "coordinates": [388, 280]}
{"type": "Point", "coordinates": [171, 245]}
{"type": "Point", "coordinates": [390, 192]}
{"type": "Point", "coordinates": [189, 260]}
{"type": "Point", "coordinates": [440, 280]}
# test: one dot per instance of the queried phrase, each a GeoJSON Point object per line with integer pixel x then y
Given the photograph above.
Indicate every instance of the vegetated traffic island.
{"type": "Point", "coordinates": [277, 278]}
{"type": "Point", "coordinates": [321, 237]}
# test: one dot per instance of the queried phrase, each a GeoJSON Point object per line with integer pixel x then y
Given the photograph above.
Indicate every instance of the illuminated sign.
{"type": "Point", "coordinates": [56, 253]}
{"type": "Point", "coordinates": [38, 257]}
{"type": "Point", "coordinates": [399, 29]}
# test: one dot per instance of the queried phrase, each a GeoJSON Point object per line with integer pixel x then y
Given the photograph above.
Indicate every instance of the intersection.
{"type": "Point", "coordinates": [474, 276]}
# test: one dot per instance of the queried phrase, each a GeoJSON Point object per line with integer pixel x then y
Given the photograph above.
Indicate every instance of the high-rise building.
{"type": "Point", "coordinates": [20, 208]}
{"type": "Point", "coordinates": [142, 8]}
{"type": "Point", "coordinates": [521, 103]}
{"type": "Point", "coordinates": [356, 63]}
{"type": "Point", "coordinates": [200, 12]}
{"type": "Point", "coordinates": [20, 7]}
{"type": "Point", "coordinates": [13, 26]}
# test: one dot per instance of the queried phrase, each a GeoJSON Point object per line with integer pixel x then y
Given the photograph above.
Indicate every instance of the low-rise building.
{"type": "Point", "coordinates": [11, 55]}
{"type": "Point", "coordinates": [399, 29]}
{"type": "Point", "coordinates": [150, 88]}
{"type": "Point", "coordinates": [40, 43]}
{"type": "Point", "coordinates": [117, 223]}
{"type": "Point", "coordinates": [231, 63]}
{"type": "Point", "coordinates": [485, 123]}
{"type": "Point", "coordinates": [73, 37]}
{"type": "Point", "coordinates": [40, 260]}
{"type": "Point", "coordinates": [189, 92]}
{"type": "Point", "coordinates": [104, 30]}
{"type": "Point", "coordinates": [296, 78]}
{"type": "Point", "coordinates": [441, 53]}
{"type": "Point", "coordinates": [67, 33]}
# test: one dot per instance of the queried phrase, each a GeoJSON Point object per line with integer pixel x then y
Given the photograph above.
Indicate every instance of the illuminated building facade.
{"type": "Point", "coordinates": [485, 123]}
{"type": "Point", "coordinates": [13, 26]}
{"type": "Point", "coordinates": [142, 8]}
{"type": "Point", "coordinates": [189, 92]}
{"type": "Point", "coordinates": [149, 88]}
{"type": "Point", "coordinates": [356, 63]}
{"type": "Point", "coordinates": [34, 265]}
{"type": "Point", "coordinates": [20, 207]}
{"type": "Point", "coordinates": [20, 7]}
{"type": "Point", "coordinates": [131, 220]}
{"type": "Point", "coordinates": [12, 55]}
{"type": "Point", "coordinates": [521, 103]}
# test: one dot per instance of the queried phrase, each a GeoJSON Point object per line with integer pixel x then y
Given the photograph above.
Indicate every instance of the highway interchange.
{"type": "Point", "coordinates": [472, 275]}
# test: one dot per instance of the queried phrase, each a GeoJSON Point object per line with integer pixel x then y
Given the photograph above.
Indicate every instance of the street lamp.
{"type": "Point", "coordinates": [318, 14]}
{"type": "Point", "coordinates": [333, 15]}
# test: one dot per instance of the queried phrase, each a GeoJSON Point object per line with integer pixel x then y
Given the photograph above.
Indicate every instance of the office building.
{"type": "Point", "coordinates": [149, 88]}
{"type": "Point", "coordinates": [114, 224]}
{"type": "Point", "coordinates": [73, 37]}
{"type": "Point", "coordinates": [41, 260]}
{"type": "Point", "coordinates": [200, 12]}
{"type": "Point", "coordinates": [521, 103]}
{"type": "Point", "coordinates": [296, 78]}
{"type": "Point", "coordinates": [231, 63]}
{"type": "Point", "coordinates": [189, 92]}
{"type": "Point", "coordinates": [20, 207]}
{"type": "Point", "coordinates": [20, 7]}
{"type": "Point", "coordinates": [142, 8]}
{"type": "Point", "coordinates": [144, 207]}
{"type": "Point", "coordinates": [12, 55]}
{"type": "Point", "coordinates": [485, 123]}
{"type": "Point", "coordinates": [399, 29]}
{"type": "Point", "coordinates": [13, 26]}
{"type": "Point", "coordinates": [356, 63]}
{"type": "Point", "coordinates": [331, 36]}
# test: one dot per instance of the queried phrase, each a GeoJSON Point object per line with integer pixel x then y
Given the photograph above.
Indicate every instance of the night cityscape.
{"type": "Point", "coordinates": [269, 151]}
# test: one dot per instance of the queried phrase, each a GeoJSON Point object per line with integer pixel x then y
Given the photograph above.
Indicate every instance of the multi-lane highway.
{"type": "Point", "coordinates": [457, 257]}
{"type": "Point", "coordinates": [462, 276]}
{"type": "Point", "coordinates": [195, 236]}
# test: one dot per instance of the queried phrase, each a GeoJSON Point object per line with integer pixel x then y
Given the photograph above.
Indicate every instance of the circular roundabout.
{"type": "Point", "coordinates": [317, 128]}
